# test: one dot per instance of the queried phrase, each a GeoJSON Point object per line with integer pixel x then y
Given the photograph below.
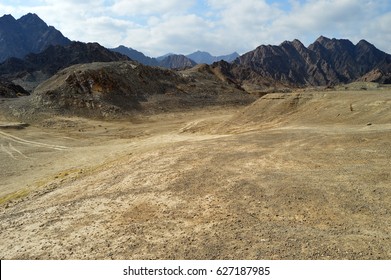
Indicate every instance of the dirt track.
{"type": "Point", "coordinates": [169, 188]}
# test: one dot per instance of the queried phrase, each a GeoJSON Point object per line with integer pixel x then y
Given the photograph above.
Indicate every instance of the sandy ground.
{"type": "Point", "coordinates": [194, 185]}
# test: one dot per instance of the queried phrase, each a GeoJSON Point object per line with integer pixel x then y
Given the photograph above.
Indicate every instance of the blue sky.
{"type": "Point", "coordinates": [217, 26]}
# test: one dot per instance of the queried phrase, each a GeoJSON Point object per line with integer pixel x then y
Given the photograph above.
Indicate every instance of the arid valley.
{"type": "Point", "coordinates": [301, 175]}
{"type": "Point", "coordinates": [281, 152]}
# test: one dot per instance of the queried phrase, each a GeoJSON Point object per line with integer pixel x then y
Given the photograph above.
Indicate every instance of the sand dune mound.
{"type": "Point", "coordinates": [313, 108]}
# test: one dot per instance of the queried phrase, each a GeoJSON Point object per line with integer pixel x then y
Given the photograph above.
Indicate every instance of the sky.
{"type": "Point", "coordinates": [217, 26]}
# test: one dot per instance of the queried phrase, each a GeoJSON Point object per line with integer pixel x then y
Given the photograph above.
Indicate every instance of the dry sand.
{"type": "Point", "coordinates": [308, 180]}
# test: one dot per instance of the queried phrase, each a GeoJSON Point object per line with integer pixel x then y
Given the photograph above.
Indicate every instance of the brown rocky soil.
{"type": "Point", "coordinates": [293, 176]}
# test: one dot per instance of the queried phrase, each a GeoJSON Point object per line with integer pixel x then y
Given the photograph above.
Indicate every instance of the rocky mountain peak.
{"type": "Point", "coordinates": [7, 19]}
{"type": "Point", "coordinates": [323, 40]}
{"type": "Point", "coordinates": [32, 20]}
{"type": "Point", "coordinates": [29, 34]}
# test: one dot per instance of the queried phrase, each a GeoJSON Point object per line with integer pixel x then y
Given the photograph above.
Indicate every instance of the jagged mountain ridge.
{"type": "Point", "coordinates": [29, 34]}
{"type": "Point", "coordinates": [325, 62]}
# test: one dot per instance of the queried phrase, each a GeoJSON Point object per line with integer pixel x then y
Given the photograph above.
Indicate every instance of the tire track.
{"type": "Point", "coordinates": [16, 150]}
{"type": "Point", "coordinates": [31, 143]}
{"type": "Point", "coordinates": [4, 149]}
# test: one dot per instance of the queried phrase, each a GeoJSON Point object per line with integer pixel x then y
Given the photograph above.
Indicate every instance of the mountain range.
{"type": "Point", "coordinates": [31, 52]}
{"type": "Point", "coordinates": [175, 61]}
{"type": "Point", "coordinates": [325, 62]}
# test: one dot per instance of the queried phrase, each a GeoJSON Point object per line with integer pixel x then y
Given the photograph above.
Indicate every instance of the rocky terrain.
{"type": "Point", "coordinates": [29, 34]}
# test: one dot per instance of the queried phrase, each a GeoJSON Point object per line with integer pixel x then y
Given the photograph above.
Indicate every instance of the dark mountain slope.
{"type": "Point", "coordinates": [29, 34]}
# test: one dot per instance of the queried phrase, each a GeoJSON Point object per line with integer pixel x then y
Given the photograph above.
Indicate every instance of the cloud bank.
{"type": "Point", "coordinates": [217, 26]}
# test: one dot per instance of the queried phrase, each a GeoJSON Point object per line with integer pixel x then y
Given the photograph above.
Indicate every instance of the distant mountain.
{"type": "Point", "coordinates": [325, 62]}
{"type": "Point", "coordinates": [170, 60]}
{"type": "Point", "coordinates": [29, 34]}
{"type": "Point", "coordinates": [205, 57]}
{"type": "Point", "coordinates": [35, 68]}
{"type": "Point", "coordinates": [177, 62]}
{"type": "Point", "coordinates": [160, 58]}
{"type": "Point", "coordinates": [136, 55]}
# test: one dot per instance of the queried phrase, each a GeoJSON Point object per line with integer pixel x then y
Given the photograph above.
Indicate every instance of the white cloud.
{"type": "Point", "coordinates": [150, 7]}
{"type": "Point", "coordinates": [179, 34]}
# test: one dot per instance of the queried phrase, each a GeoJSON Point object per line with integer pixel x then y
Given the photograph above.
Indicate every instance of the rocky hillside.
{"type": "Point", "coordinates": [29, 34]}
{"type": "Point", "coordinates": [35, 68]}
{"type": "Point", "coordinates": [116, 88]}
{"type": "Point", "coordinates": [325, 62]}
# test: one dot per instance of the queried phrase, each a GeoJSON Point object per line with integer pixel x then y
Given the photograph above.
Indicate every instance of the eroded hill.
{"type": "Point", "coordinates": [118, 89]}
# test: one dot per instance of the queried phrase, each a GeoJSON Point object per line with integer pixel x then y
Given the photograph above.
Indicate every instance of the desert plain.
{"type": "Point", "coordinates": [301, 175]}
